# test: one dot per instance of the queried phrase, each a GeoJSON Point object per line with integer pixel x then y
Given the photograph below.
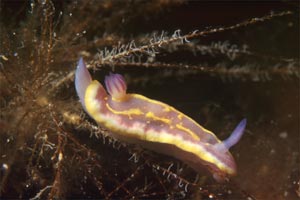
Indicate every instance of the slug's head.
{"type": "Point", "coordinates": [226, 165]}
{"type": "Point", "coordinates": [91, 93]}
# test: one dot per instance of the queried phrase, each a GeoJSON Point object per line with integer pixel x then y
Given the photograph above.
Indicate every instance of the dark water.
{"type": "Point", "coordinates": [217, 79]}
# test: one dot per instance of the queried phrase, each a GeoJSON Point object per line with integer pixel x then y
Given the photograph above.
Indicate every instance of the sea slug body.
{"type": "Point", "coordinates": [154, 125]}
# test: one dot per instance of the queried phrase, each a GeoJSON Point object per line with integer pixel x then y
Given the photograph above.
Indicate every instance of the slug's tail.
{"type": "Point", "coordinates": [82, 80]}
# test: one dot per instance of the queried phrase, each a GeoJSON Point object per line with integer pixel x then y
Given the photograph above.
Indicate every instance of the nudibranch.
{"type": "Point", "coordinates": [154, 125]}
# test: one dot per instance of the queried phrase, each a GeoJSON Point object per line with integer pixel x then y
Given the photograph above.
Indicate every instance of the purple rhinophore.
{"type": "Point", "coordinates": [236, 134]}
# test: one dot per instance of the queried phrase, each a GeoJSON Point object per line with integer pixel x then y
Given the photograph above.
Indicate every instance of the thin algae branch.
{"type": "Point", "coordinates": [152, 48]}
